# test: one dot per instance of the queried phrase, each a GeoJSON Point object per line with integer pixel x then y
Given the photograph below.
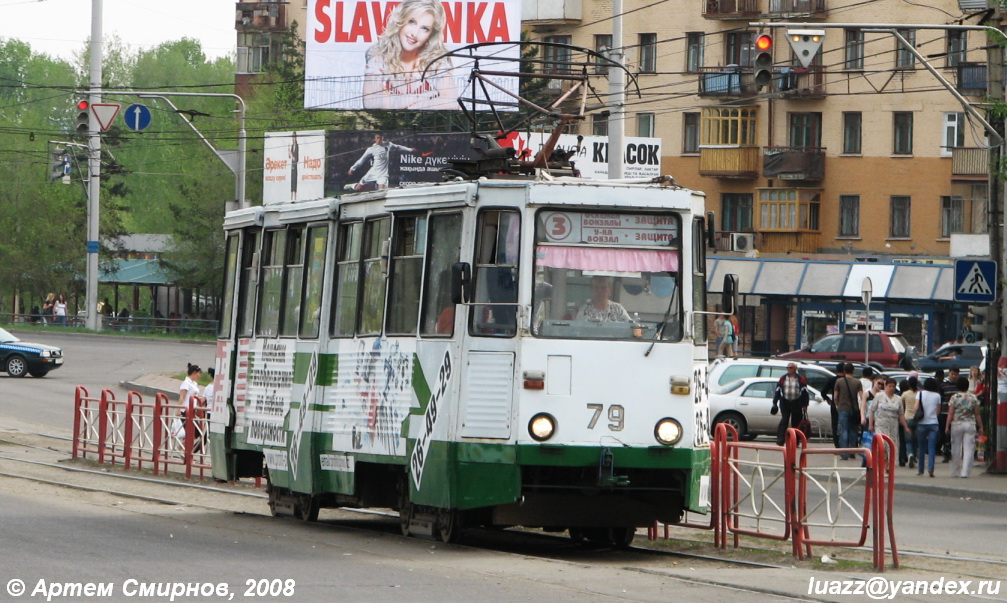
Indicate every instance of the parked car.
{"type": "Point", "coordinates": [724, 370]}
{"type": "Point", "coordinates": [745, 404]}
{"type": "Point", "coordinates": [958, 355]}
{"type": "Point", "coordinates": [887, 350]}
{"type": "Point", "coordinates": [19, 358]}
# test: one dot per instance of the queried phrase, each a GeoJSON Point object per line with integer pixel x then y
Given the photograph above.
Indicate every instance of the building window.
{"type": "Point", "coordinates": [854, 49]}
{"type": "Point", "coordinates": [252, 52]}
{"type": "Point", "coordinates": [952, 215]}
{"type": "Point", "coordinates": [903, 129]}
{"type": "Point", "coordinates": [806, 130]}
{"type": "Point", "coordinates": [852, 127]}
{"type": "Point", "coordinates": [599, 124]}
{"type": "Point", "coordinates": [602, 45]}
{"type": "Point", "coordinates": [954, 133]}
{"type": "Point", "coordinates": [690, 132]}
{"type": "Point", "coordinates": [728, 126]}
{"type": "Point", "coordinates": [903, 58]}
{"type": "Point", "coordinates": [957, 47]}
{"type": "Point", "coordinates": [789, 210]}
{"type": "Point", "coordinates": [557, 60]}
{"type": "Point", "coordinates": [849, 215]}
{"type": "Point", "coordinates": [974, 214]}
{"type": "Point", "coordinates": [736, 212]}
{"type": "Point", "coordinates": [645, 125]}
{"type": "Point", "coordinates": [648, 53]}
{"type": "Point", "coordinates": [693, 51]}
{"type": "Point", "coordinates": [738, 48]}
{"type": "Point", "coordinates": [898, 227]}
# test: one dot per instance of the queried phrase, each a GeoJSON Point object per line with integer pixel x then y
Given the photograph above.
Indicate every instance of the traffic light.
{"type": "Point", "coordinates": [806, 44]}
{"type": "Point", "coordinates": [989, 328]}
{"type": "Point", "coordinates": [83, 124]}
{"type": "Point", "coordinates": [763, 61]}
{"type": "Point", "coordinates": [58, 161]}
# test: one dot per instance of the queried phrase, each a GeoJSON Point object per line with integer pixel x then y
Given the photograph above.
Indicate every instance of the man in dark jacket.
{"type": "Point", "coordinates": [790, 399]}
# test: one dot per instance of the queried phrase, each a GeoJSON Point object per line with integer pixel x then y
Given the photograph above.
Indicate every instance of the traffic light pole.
{"type": "Point", "coordinates": [92, 319]}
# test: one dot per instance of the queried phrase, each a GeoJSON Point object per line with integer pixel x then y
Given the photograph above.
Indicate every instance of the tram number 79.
{"type": "Point", "coordinates": [616, 414]}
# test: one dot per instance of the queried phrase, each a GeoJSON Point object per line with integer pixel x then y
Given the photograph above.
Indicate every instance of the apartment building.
{"type": "Point", "coordinates": [863, 156]}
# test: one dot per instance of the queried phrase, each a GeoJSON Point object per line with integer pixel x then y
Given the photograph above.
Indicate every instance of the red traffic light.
{"type": "Point", "coordinates": [764, 42]}
{"type": "Point", "coordinates": [83, 105]}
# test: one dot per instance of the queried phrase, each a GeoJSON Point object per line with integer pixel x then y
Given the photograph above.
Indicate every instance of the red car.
{"type": "Point", "coordinates": [887, 350]}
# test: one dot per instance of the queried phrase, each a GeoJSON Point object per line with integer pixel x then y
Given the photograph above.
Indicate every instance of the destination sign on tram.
{"type": "Point", "coordinates": [609, 229]}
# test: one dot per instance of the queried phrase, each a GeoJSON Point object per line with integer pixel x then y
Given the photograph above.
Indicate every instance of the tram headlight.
{"type": "Point", "coordinates": [668, 432]}
{"type": "Point", "coordinates": [542, 426]}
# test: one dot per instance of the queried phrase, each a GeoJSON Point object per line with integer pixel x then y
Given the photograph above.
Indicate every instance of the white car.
{"type": "Point", "coordinates": [745, 404]}
{"type": "Point", "coordinates": [724, 370]}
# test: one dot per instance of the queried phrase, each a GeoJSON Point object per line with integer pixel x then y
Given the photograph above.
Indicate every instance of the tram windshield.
{"type": "Point", "coordinates": [607, 276]}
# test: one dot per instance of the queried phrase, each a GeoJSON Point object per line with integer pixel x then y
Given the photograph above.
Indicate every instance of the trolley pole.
{"type": "Point", "coordinates": [93, 321]}
{"type": "Point", "coordinates": [617, 97]}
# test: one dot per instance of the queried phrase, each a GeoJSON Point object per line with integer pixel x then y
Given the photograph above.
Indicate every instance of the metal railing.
{"type": "Point", "coordinates": [180, 326]}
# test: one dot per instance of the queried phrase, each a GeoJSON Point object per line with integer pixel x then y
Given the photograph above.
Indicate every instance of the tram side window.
{"type": "Point", "coordinates": [344, 302]}
{"type": "Point", "coordinates": [249, 280]}
{"type": "Point", "coordinates": [442, 253]}
{"type": "Point", "coordinates": [271, 287]}
{"type": "Point", "coordinates": [292, 274]}
{"type": "Point", "coordinates": [699, 278]}
{"type": "Point", "coordinates": [230, 270]}
{"type": "Point", "coordinates": [372, 304]}
{"type": "Point", "coordinates": [314, 279]}
{"type": "Point", "coordinates": [495, 278]}
{"type": "Point", "coordinates": [406, 271]}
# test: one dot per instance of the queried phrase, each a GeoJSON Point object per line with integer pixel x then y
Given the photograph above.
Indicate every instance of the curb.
{"type": "Point", "coordinates": [145, 390]}
{"type": "Point", "coordinates": [952, 492]}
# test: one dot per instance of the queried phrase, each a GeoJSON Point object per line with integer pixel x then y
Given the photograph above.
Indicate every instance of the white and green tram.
{"type": "Point", "coordinates": [488, 352]}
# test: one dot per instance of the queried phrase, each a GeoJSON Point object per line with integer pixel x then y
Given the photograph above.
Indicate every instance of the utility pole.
{"type": "Point", "coordinates": [997, 206]}
{"type": "Point", "coordinates": [617, 96]}
{"type": "Point", "coordinates": [93, 320]}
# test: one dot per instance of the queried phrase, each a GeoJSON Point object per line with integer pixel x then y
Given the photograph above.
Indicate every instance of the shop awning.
{"type": "Point", "coordinates": [828, 279]}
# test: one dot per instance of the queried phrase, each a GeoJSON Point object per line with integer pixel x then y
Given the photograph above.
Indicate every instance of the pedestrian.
{"type": "Point", "coordinates": [910, 400]}
{"type": "Point", "coordinates": [48, 312]}
{"type": "Point", "coordinates": [726, 330]}
{"type": "Point", "coordinates": [977, 383]}
{"type": "Point", "coordinates": [209, 389]}
{"type": "Point", "coordinates": [948, 387]}
{"type": "Point", "coordinates": [790, 399]}
{"type": "Point", "coordinates": [59, 311]}
{"type": "Point", "coordinates": [846, 395]}
{"type": "Point", "coordinates": [887, 414]}
{"type": "Point", "coordinates": [964, 423]}
{"type": "Point", "coordinates": [190, 386]}
{"type": "Point", "coordinates": [828, 392]}
{"type": "Point", "coordinates": [926, 427]}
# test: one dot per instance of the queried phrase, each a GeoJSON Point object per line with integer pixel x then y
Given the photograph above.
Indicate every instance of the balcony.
{"type": "Point", "coordinates": [800, 83]}
{"type": "Point", "coordinates": [726, 81]}
{"type": "Point", "coordinates": [972, 79]}
{"type": "Point", "coordinates": [260, 16]}
{"type": "Point", "coordinates": [970, 162]}
{"type": "Point", "coordinates": [739, 163]}
{"type": "Point", "coordinates": [731, 9]}
{"type": "Point", "coordinates": [546, 13]}
{"type": "Point", "coordinates": [794, 163]}
{"type": "Point", "coordinates": [789, 9]}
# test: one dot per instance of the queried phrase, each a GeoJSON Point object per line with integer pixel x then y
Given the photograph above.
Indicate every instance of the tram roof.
{"type": "Point", "coordinates": [567, 191]}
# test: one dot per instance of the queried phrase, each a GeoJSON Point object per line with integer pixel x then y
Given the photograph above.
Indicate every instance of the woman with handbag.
{"type": "Point", "coordinates": [964, 422]}
{"type": "Point", "coordinates": [886, 414]}
{"type": "Point", "coordinates": [910, 401]}
{"type": "Point", "coordinates": [926, 425]}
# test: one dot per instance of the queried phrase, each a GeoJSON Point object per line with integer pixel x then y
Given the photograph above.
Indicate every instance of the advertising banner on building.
{"type": "Point", "coordinates": [641, 156]}
{"type": "Point", "coordinates": [364, 54]}
{"type": "Point", "coordinates": [293, 167]}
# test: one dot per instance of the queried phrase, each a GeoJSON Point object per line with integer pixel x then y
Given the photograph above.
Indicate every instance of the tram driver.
{"type": "Point", "coordinates": [600, 307]}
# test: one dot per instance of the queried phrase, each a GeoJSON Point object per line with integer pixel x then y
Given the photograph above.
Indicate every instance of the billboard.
{"type": "Point", "coordinates": [371, 54]}
{"type": "Point", "coordinates": [641, 156]}
{"type": "Point", "coordinates": [293, 166]}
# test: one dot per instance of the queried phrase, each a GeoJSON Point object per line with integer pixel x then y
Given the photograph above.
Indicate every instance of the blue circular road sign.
{"type": "Point", "coordinates": [137, 117]}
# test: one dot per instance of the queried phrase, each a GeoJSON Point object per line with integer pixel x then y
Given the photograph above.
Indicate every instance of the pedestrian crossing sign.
{"type": "Point", "coordinates": [975, 281]}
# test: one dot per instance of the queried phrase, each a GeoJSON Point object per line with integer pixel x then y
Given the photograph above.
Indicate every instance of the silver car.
{"type": "Point", "coordinates": [745, 404]}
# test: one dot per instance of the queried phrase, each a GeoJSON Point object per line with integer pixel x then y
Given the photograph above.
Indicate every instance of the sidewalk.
{"type": "Point", "coordinates": [980, 486]}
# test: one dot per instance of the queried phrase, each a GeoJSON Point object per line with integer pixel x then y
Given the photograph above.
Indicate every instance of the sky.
{"type": "Point", "coordinates": [61, 28]}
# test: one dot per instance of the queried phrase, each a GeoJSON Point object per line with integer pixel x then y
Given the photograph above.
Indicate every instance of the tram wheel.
{"type": "Point", "coordinates": [273, 493]}
{"type": "Point", "coordinates": [306, 508]}
{"type": "Point", "coordinates": [449, 525]}
{"type": "Point", "coordinates": [577, 535]}
{"type": "Point", "coordinates": [621, 538]}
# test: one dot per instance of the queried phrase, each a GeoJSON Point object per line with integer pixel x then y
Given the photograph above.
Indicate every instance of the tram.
{"type": "Point", "coordinates": [485, 352]}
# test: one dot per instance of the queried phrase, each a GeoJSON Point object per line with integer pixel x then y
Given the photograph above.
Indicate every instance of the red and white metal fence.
{"type": "Point", "coordinates": [807, 496]}
{"type": "Point", "coordinates": [139, 435]}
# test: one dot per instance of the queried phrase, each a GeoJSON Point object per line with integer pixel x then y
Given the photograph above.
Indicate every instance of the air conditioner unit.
{"type": "Point", "coordinates": [742, 241]}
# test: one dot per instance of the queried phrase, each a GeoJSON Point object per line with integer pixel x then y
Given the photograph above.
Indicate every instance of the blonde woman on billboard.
{"type": "Point", "coordinates": [412, 38]}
